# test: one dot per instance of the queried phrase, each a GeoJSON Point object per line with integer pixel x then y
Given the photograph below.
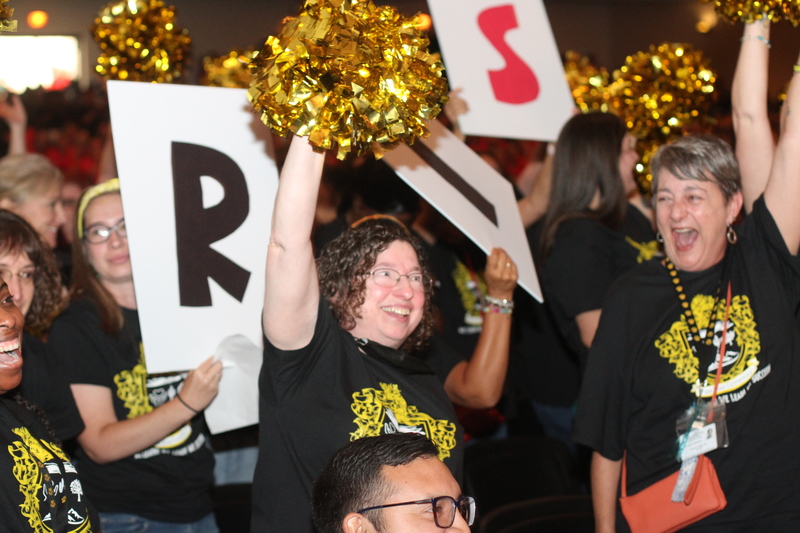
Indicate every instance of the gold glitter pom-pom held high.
{"type": "Point", "coordinates": [349, 74]}
{"type": "Point", "coordinates": [587, 82]}
{"type": "Point", "coordinates": [752, 10]}
{"type": "Point", "coordinates": [661, 93]}
{"type": "Point", "coordinates": [230, 70]}
{"type": "Point", "coordinates": [139, 41]}
{"type": "Point", "coordinates": [6, 24]}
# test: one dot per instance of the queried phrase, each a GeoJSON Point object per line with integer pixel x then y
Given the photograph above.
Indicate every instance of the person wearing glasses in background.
{"type": "Point", "coordinates": [145, 459]}
{"type": "Point", "coordinates": [391, 482]}
{"type": "Point", "coordinates": [338, 337]}
{"type": "Point", "coordinates": [29, 269]}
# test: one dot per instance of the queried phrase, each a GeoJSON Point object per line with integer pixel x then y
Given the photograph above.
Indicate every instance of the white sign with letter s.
{"type": "Point", "coordinates": [503, 56]}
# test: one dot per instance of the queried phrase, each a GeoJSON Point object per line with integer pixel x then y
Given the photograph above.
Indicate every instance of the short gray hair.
{"type": "Point", "coordinates": [701, 158]}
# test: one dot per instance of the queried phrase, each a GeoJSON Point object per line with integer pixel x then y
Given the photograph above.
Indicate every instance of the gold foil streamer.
{"type": "Point", "coordinates": [139, 41]}
{"type": "Point", "coordinates": [6, 24]}
{"type": "Point", "coordinates": [751, 10]}
{"type": "Point", "coordinates": [230, 70]}
{"type": "Point", "coordinates": [349, 74]}
{"type": "Point", "coordinates": [589, 84]}
{"type": "Point", "coordinates": [660, 94]}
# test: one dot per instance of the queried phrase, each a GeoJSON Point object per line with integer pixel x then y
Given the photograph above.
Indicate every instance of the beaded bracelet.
{"type": "Point", "coordinates": [756, 38]}
{"type": "Point", "coordinates": [496, 305]}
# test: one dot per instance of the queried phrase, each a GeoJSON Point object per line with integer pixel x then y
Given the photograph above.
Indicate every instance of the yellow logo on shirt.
{"type": "Point", "coordinates": [33, 465]}
{"type": "Point", "coordinates": [647, 250]}
{"type": "Point", "coordinates": [386, 411]}
{"type": "Point", "coordinates": [132, 388]}
{"type": "Point", "coordinates": [742, 345]}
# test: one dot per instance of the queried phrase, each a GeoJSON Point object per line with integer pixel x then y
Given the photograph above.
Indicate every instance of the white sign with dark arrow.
{"type": "Point", "coordinates": [471, 194]}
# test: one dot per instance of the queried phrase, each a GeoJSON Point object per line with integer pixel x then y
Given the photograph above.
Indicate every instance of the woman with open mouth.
{"type": "Point", "coordinates": [693, 375]}
{"type": "Point", "coordinates": [29, 268]}
{"type": "Point", "coordinates": [39, 485]}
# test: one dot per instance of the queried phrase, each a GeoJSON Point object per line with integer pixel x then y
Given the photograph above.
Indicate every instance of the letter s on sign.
{"type": "Point", "coordinates": [516, 83]}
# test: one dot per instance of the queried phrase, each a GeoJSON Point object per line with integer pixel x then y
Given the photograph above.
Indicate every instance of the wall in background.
{"type": "Point", "coordinates": [606, 30]}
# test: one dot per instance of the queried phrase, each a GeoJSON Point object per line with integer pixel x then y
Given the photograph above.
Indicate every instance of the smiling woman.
{"type": "Point", "coordinates": [709, 335]}
{"type": "Point", "coordinates": [144, 452]}
{"type": "Point", "coordinates": [30, 271]}
{"type": "Point", "coordinates": [335, 361]}
{"type": "Point", "coordinates": [11, 323]}
{"type": "Point", "coordinates": [39, 486]}
{"type": "Point", "coordinates": [31, 187]}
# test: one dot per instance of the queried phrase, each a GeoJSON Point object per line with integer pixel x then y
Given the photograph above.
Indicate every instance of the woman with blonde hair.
{"type": "Point", "coordinates": [30, 186]}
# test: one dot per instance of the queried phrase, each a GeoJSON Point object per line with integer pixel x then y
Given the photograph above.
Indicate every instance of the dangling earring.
{"type": "Point", "coordinates": [731, 235]}
{"type": "Point", "coordinates": [659, 237]}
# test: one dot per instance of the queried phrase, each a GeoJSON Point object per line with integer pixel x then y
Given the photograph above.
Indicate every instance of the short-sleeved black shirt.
{"type": "Point", "coordinates": [641, 372]}
{"type": "Point", "coordinates": [586, 258]}
{"type": "Point", "coordinates": [169, 481]}
{"type": "Point", "coordinates": [316, 399]}
{"type": "Point", "coordinates": [44, 382]}
{"type": "Point", "coordinates": [39, 485]}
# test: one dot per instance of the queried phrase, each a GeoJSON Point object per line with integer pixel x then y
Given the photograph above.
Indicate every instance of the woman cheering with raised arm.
{"type": "Point", "coordinates": [712, 329]}
{"type": "Point", "coordinates": [336, 366]}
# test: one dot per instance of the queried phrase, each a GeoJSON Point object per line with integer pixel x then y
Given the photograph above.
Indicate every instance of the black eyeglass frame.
{"type": "Point", "coordinates": [470, 518]}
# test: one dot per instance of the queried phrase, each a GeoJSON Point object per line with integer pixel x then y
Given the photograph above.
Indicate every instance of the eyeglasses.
{"type": "Point", "coordinates": [25, 276]}
{"type": "Point", "coordinates": [386, 277]}
{"type": "Point", "coordinates": [98, 233]}
{"type": "Point", "coordinates": [444, 509]}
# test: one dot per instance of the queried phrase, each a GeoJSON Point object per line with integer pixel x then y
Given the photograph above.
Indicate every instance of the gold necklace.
{"type": "Point", "coordinates": [687, 308]}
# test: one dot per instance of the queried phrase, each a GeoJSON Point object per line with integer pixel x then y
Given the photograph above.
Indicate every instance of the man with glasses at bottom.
{"type": "Point", "coordinates": [389, 483]}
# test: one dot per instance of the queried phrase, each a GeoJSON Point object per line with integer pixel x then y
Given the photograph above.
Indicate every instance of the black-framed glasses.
{"type": "Point", "coordinates": [390, 278]}
{"type": "Point", "coordinates": [444, 509]}
{"type": "Point", "coordinates": [98, 233]}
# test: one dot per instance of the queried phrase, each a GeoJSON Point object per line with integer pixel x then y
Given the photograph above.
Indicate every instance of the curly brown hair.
{"type": "Point", "coordinates": [346, 261]}
{"type": "Point", "coordinates": [17, 236]}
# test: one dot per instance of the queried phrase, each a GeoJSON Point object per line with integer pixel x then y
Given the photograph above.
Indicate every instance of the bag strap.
{"type": "Point", "coordinates": [624, 480]}
{"type": "Point", "coordinates": [722, 347]}
{"type": "Point", "coordinates": [723, 344]}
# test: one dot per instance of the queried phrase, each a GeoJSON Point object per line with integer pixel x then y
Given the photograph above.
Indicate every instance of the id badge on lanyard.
{"type": "Point", "coordinates": [701, 428]}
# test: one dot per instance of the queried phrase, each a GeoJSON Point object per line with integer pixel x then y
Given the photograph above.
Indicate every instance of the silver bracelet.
{"type": "Point", "coordinates": [756, 38]}
{"type": "Point", "coordinates": [497, 302]}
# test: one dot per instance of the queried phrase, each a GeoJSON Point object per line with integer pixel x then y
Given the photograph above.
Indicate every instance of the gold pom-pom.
{"type": "Point", "coordinates": [6, 24]}
{"type": "Point", "coordinates": [752, 10]}
{"type": "Point", "coordinates": [350, 74]}
{"type": "Point", "coordinates": [139, 41]}
{"type": "Point", "coordinates": [660, 94]}
{"type": "Point", "coordinates": [230, 70]}
{"type": "Point", "coordinates": [587, 82]}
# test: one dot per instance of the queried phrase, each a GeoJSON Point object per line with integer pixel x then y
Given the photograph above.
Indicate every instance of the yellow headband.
{"type": "Point", "coordinates": [92, 193]}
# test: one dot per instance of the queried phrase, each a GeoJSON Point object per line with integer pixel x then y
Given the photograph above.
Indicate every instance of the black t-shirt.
{"type": "Point", "coordinates": [546, 369]}
{"type": "Point", "coordinates": [316, 399]}
{"type": "Point", "coordinates": [168, 481]}
{"type": "Point", "coordinates": [39, 486]}
{"type": "Point", "coordinates": [44, 383]}
{"type": "Point", "coordinates": [641, 373]}
{"type": "Point", "coordinates": [586, 258]}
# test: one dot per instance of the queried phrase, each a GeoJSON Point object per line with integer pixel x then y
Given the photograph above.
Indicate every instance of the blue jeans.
{"type": "Point", "coordinates": [235, 466]}
{"type": "Point", "coordinates": [129, 523]}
